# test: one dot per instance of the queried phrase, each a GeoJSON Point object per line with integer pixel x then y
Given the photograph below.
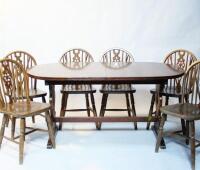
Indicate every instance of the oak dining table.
{"type": "Point", "coordinates": [99, 73]}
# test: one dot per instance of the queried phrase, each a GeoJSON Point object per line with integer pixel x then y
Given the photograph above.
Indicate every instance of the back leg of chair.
{"type": "Point", "coordinates": [63, 107]}
{"type": "Point", "coordinates": [51, 130]}
{"type": "Point", "coordinates": [133, 109]}
{"type": "Point", "coordinates": [166, 100]}
{"type": "Point", "coordinates": [192, 143]}
{"type": "Point", "coordinates": [7, 121]}
{"type": "Point", "coordinates": [182, 121]}
{"type": "Point", "coordinates": [87, 104]}
{"type": "Point", "coordinates": [103, 106]}
{"type": "Point", "coordinates": [33, 117]}
{"type": "Point", "coordinates": [128, 104]}
{"type": "Point", "coordinates": [3, 125]}
{"type": "Point", "coordinates": [187, 124]}
{"type": "Point", "coordinates": [21, 140]}
{"type": "Point", "coordinates": [94, 108]}
{"type": "Point", "coordinates": [13, 122]}
{"type": "Point", "coordinates": [151, 110]}
{"type": "Point", "coordinates": [160, 132]}
{"type": "Point", "coordinates": [43, 99]}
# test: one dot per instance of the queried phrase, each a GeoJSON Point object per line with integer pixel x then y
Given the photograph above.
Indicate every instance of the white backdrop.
{"type": "Point", "coordinates": [149, 29]}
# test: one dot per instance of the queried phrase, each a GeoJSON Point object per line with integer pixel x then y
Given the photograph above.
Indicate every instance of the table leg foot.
{"type": "Point", "coordinates": [155, 130]}
{"type": "Point", "coordinates": [49, 143]}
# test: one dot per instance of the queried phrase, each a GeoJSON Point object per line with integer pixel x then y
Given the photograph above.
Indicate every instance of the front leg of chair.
{"type": "Point", "coordinates": [160, 132]}
{"type": "Point", "coordinates": [51, 130]}
{"type": "Point", "coordinates": [3, 125]}
{"type": "Point", "coordinates": [151, 110]}
{"type": "Point", "coordinates": [192, 143]}
{"type": "Point", "coordinates": [21, 140]}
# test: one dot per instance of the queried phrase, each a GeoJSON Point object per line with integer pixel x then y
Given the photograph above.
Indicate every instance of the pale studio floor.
{"type": "Point", "coordinates": [116, 147]}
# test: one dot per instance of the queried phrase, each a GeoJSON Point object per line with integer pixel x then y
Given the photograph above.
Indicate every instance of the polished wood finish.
{"type": "Point", "coordinates": [182, 59]}
{"type": "Point", "coordinates": [77, 59]}
{"type": "Point", "coordinates": [27, 61]}
{"type": "Point", "coordinates": [15, 101]}
{"type": "Point", "coordinates": [98, 73]}
{"type": "Point", "coordinates": [188, 111]}
{"type": "Point", "coordinates": [116, 59]}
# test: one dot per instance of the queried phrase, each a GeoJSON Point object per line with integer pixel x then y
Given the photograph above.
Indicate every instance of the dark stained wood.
{"type": "Point", "coordinates": [188, 110]}
{"type": "Point", "coordinates": [182, 59]}
{"type": "Point", "coordinates": [105, 119]}
{"type": "Point", "coordinates": [97, 73]}
{"type": "Point", "coordinates": [77, 59]}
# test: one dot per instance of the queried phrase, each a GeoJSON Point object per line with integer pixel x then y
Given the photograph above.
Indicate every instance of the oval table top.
{"type": "Point", "coordinates": [97, 73]}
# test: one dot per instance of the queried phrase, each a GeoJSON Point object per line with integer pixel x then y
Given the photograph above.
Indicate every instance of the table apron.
{"type": "Point", "coordinates": [156, 81]}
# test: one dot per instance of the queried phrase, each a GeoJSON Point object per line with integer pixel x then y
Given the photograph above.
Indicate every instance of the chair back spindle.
{"type": "Point", "coordinates": [76, 58]}
{"type": "Point", "coordinates": [27, 62]}
{"type": "Point", "coordinates": [191, 82]}
{"type": "Point", "coordinates": [13, 82]}
{"type": "Point", "coordinates": [181, 59]}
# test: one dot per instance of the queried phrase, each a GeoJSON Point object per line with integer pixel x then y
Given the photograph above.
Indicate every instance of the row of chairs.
{"type": "Point", "coordinates": [18, 91]}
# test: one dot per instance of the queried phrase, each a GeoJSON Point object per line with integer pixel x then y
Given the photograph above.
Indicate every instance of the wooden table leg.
{"type": "Point", "coordinates": [155, 127]}
{"type": "Point", "coordinates": [52, 112]}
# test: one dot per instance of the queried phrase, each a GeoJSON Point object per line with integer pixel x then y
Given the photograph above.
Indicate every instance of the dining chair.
{"type": "Point", "coordinates": [188, 110]}
{"type": "Point", "coordinates": [182, 59]}
{"type": "Point", "coordinates": [77, 59]}
{"type": "Point", "coordinates": [117, 58]}
{"type": "Point", "coordinates": [15, 102]}
{"type": "Point", "coordinates": [27, 61]}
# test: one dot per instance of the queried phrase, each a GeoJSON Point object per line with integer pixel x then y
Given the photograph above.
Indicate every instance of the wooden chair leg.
{"type": "Point", "coordinates": [43, 99]}
{"type": "Point", "coordinates": [13, 122]}
{"type": "Point", "coordinates": [3, 125]}
{"type": "Point", "coordinates": [187, 133]}
{"type": "Point", "coordinates": [166, 100]}
{"type": "Point", "coordinates": [160, 132]}
{"type": "Point", "coordinates": [51, 130]}
{"type": "Point", "coordinates": [128, 104]}
{"type": "Point", "coordinates": [63, 108]}
{"type": "Point", "coordinates": [151, 110]}
{"type": "Point", "coordinates": [133, 109]}
{"type": "Point", "coordinates": [87, 104]}
{"type": "Point", "coordinates": [7, 121]}
{"type": "Point", "coordinates": [182, 121]}
{"type": "Point", "coordinates": [192, 143]}
{"type": "Point", "coordinates": [103, 106]}
{"type": "Point", "coordinates": [21, 140]}
{"type": "Point", "coordinates": [94, 108]}
{"type": "Point", "coordinates": [33, 117]}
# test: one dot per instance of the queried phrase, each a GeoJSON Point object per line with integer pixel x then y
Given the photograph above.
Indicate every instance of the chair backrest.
{"type": "Point", "coordinates": [117, 58]}
{"type": "Point", "coordinates": [191, 82]}
{"type": "Point", "coordinates": [182, 59]}
{"type": "Point", "coordinates": [76, 58]}
{"type": "Point", "coordinates": [117, 55]}
{"type": "Point", "coordinates": [27, 61]}
{"type": "Point", "coordinates": [13, 82]}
